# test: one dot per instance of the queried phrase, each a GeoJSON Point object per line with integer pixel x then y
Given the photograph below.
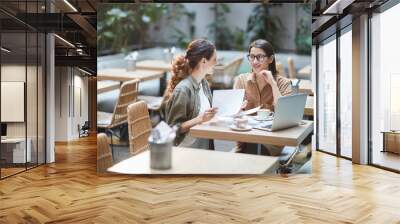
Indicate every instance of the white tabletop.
{"type": "Point", "coordinates": [121, 74]}
{"type": "Point", "coordinates": [13, 140]}
{"type": "Point", "coordinates": [286, 137]}
{"type": "Point", "coordinates": [159, 65]}
{"type": "Point", "coordinates": [107, 85]}
{"type": "Point", "coordinates": [200, 161]}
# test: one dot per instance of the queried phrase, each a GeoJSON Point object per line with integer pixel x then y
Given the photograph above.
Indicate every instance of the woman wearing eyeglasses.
{"type": "Point", "coordinates": [263, 85]}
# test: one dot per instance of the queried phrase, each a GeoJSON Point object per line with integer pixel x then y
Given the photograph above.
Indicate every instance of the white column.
{"type": "Point", "coordinates": [50, 101]}
{"type": "Point", "coordinates": [360, 90]}
{"type": "Point", "coordinates": [314, 85]}
{"type": "Point", "coordinates": [50, 92]}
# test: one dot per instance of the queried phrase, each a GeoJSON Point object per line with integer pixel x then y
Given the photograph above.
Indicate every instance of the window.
{"type": "Point", "coordinates": [22, 76]}
{"type": "Point", "coordinates": [327, 96]}
{"type": "Point", "coordinates": [346, 93]}
{"type": "Point", "coordinates": [385, 88]}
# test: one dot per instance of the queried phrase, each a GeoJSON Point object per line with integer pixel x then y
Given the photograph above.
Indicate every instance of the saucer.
{"type": "Point", "coordinates": [234, 128]}
{"type": "Point", "coordinates": [263, 119]}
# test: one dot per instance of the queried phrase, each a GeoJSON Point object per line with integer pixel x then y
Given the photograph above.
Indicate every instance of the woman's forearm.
{"type": "Point", "coordinates": [275, 92]}
{"type": "Point", "coordinates": [185, 126]}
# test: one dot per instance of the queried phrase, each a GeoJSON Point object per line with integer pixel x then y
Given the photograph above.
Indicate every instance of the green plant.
{"type": "Point", "coordinates": [123, 25]}
{"type": "Point", "coordinates": [303, 39]}
{"type": "Point", "coordinates": [181, 38]}
{"type": "Point", "coordinates": [262, 25]}
{"type": "Point", "coordinates": [224, 38]}
{"type": "Point", "coordinates": [239, 37]}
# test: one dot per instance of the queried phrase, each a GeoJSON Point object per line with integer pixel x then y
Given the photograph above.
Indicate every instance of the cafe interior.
{"type": "Point", "coordinates": [83, 111]}
{"type": "Point", "coordinates": [142, 75]}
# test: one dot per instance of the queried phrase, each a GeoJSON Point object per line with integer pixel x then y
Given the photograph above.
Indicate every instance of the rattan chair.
{"type": "Point", "coordinates": [224, 75]}
{"type": "Point", "coordinates": [114, 123]}
{"type": "Point", "coordinates": [281, 69]}
{"type": "Point", "coordinates": [104, 157]}
{"type": "Point", "coordinates": [139, 127]}
{"type": "Point", "coordinates": [127, 95]}
{"type": "Point", "coordinates": [291, 68]}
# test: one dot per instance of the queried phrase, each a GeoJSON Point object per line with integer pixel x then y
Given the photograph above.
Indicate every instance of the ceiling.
{"type": "Point", "coordinates": [330, 15]}
{"type": "Point", "coordinates": [72, 20]}
{"type": "Point", "coordinates": [75, 22]}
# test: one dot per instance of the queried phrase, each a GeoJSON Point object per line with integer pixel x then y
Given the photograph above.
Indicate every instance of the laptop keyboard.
{"type": "Point", "coordinates": [269, 126]}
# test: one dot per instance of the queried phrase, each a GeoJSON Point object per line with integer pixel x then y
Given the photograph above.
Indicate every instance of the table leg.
{"type": "Point", "coordinates": [384, 142]}
{"type": "Point", "coordinates": [284, 168]}
{"type": "Point", "coordinates": [163, 84]}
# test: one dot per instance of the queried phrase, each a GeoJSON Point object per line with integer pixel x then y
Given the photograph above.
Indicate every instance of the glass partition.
{"type": "Point", "coordinates": [327, 96]}
{"type": "Point", "coordinates": [14, 151]}
{"type": "Point", "coordinates": [385, 89]}
{"type": "Point", "coordinates": [346, 93]}
{"type": "Point", "coordinates": [22, 77]}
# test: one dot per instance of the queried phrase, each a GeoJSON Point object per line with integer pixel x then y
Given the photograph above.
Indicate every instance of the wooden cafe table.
{"type": "Point", "coordinates": [157, 65]}
{"type": "Point", "coordinates": [107, 85]}
{"type": "Point", "coordinates": [309, 108]}
{"type": "Point", "coordinates": [305, 71]}
{"type": "Point", "coordinates": [199, 161]}
{"type": "Point", "coordinates": [122, 75]}
{"type": "Point", "coordinates": [305, 86]}
{"type": "Point", "coordinates": [286, 137]}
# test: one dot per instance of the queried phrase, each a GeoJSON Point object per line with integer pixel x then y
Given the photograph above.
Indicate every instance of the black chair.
{"type": "Point", "coordinates": [84, 130]}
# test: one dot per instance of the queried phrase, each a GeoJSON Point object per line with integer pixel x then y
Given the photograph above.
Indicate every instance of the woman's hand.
{"type": "Point", "coordinates": [267, 75]}
{"type": "Point", "coordinates": [244, 105]}
{"type": "Point", "coordinates": [269, 78]}
{"type": "Point", "coordinates": [253, 76]}
{"type": "Point", "coordinates": [207, 115]}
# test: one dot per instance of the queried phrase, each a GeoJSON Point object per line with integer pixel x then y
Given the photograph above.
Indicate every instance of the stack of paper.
{"type": "Point", "coordinates": [228, 101]}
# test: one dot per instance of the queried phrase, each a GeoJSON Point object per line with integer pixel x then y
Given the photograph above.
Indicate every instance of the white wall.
{"type": "Point", "coordinates": [203, 17]}
{"type": "Point", "coordinates": [33, 126]}
{"type": "Point", "coordinates": [14, 72]}
{"type": "Point", "coordinates": [69, 81]}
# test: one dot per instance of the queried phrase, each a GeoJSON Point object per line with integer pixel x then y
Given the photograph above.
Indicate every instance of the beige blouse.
{"type": "Point", "coordinates": [258, 92]}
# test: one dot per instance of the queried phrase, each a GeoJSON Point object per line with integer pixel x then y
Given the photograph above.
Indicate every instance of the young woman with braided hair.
{"type": "Point", "coordinates": [189, 94]}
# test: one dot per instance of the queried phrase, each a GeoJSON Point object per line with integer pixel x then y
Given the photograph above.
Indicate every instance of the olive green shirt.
{"type": "Point", "coordinates": [184, 104]}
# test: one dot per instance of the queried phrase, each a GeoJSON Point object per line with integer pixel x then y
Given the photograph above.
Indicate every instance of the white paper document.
{"type": "Point", "coordinates": [228, 101]}
{"type": "Point", "coordinates": [251, 111]}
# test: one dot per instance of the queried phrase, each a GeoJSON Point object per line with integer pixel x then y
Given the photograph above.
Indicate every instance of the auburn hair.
{"type": "Point", "coordinates": [183, 65]}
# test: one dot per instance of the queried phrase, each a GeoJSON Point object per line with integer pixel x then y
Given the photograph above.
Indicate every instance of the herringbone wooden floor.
{"type": "Point", "coordinates": [70, 191]}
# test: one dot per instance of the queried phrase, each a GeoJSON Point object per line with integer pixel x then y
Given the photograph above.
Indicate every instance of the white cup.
{"type": "Point", "coordinates": [263, 114]}
{"type": "Point", "coordinates": [240, 122]}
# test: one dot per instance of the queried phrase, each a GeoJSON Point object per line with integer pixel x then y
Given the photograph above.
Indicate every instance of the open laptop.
{"type": "Point", "coordinates": [289, 112]}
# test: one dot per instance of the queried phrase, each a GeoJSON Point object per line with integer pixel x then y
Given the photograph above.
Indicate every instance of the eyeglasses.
{"type": "Point", "coordinates": [260, 57]}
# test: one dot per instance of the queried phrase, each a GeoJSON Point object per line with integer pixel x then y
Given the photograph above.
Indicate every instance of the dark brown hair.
{"type": "Point", "coordinates": [269, 51]}
{"type": "Point", "coordinates": [183, 65]}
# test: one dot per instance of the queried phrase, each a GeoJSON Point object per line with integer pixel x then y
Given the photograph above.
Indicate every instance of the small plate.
{"type": "Point", "coordinates": [234, 128]}
{"type": "Point", "coordinates": [266, 119]}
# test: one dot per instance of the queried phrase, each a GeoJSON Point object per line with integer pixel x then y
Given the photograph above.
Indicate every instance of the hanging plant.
{"type": "Point", "coordinates": [262, 25]}
{"type": "Point", "coordinates": [223, 36]}
{"type": "Point", "coordinates": [122, 25]}
{"type": "Point", "coordinates": [303, 39]}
